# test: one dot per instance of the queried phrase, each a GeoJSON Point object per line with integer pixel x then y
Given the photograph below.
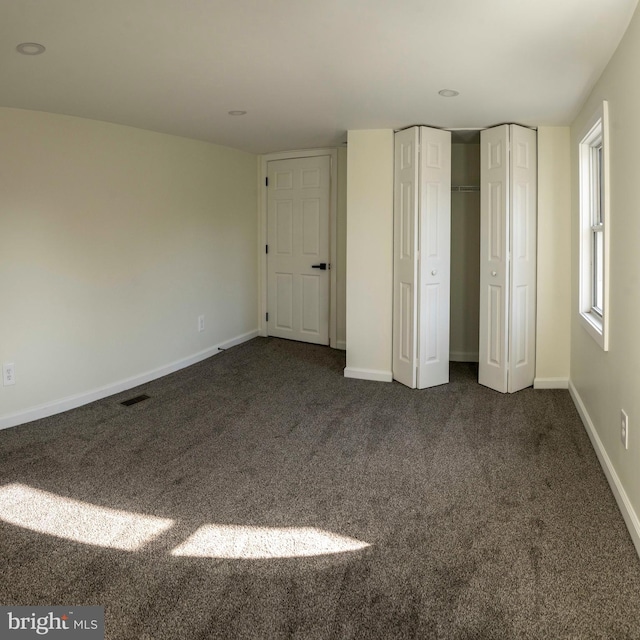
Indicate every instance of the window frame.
{"type": "Point", "coordinates": [593, 157]}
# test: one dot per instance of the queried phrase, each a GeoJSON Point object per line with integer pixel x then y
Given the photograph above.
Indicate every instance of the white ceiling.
{"type": "Point", "coordinates": [306, 71]}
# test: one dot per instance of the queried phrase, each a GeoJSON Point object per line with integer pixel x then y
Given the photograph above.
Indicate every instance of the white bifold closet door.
{"type": "Point", "coordinates": [422, 257]}
{"type": "Point", "coordinates": [508, 191]}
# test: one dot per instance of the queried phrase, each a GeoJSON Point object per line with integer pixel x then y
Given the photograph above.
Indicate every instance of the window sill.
{"type": "Point", "coordinates": [594, 326]}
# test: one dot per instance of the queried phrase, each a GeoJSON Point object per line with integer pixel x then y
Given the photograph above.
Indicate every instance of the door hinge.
{"type": "Point", "coordinates": [266, 248]}
{"type": "Point", "coordinates": [266, 182]}
{"type": "Point", "coordinates": [266, 317]}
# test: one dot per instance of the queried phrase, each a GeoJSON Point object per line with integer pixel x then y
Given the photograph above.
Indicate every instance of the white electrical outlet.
{"type": "Point", "coordinates": [8, 374]}
{"type": "Point", "coordinates": [200, 323]}
{"type": "Point", "coordinates": [624, 428]}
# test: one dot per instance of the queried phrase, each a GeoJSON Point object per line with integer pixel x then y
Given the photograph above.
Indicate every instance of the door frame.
{"type": "Point", "coordinates": [333, 229]}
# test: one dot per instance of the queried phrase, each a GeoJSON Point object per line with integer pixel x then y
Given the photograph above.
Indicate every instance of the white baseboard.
{"type": "Point", "coordinates": [551, 383]}
{"type": "Point", "coordinates": [624, 504]}
{"type": "Point", "coordinates": [368, 374]}
{"type": "Point", "coordinates": [234, 342]}
{"type": "Point", "coordinates": [341, 344]}
{"type": "Point", "coordinates": [72, 402]}
{"type": "Point", "coordinates": [463, 356]}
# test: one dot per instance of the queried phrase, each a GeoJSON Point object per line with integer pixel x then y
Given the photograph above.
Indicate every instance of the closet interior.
{"type": "Point", "coordinates": [465, 246]}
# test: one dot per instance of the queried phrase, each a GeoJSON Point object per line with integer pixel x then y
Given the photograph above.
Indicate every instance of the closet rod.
{"type": "Point", "coordinates": [465, 188]}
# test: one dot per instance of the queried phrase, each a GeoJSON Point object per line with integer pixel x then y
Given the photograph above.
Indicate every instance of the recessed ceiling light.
{"type": "Point", "coordinates": [30, 48]}
{"type": "Point", "coordinates": [448, 93]}
{"type": "Point", "coordinates": [237, 113]}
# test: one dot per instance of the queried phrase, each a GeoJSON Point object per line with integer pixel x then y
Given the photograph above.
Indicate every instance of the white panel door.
{"type": "Point", "coordinates": [405, 257]}
{"type": "Point", "coordinates": [494, 259]}
{"type": "Point", "coordinates": [523, 207]}
{"type": "Point", "coordinates": [298, 249]}
{"type": "Point", "coordinates": [434, 257]}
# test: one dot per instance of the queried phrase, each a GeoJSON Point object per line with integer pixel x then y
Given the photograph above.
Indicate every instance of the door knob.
{"type": "Point", "coordinates": [434, 272]}
{"type": "Point", "coordinates": [494, 273]}
{"type": "Point", "coordinates": [322, 266]}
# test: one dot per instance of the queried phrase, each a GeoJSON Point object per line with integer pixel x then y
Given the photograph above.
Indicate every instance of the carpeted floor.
{"type": "Point", "coordinates": [456, 512]}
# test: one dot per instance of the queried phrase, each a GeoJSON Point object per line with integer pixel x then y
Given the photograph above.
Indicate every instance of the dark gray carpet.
{"type": "Point", "coordinates": [487, 515]}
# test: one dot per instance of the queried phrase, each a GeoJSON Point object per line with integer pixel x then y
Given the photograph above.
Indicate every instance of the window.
{"type": "Point", "coordinates": [594, 216]}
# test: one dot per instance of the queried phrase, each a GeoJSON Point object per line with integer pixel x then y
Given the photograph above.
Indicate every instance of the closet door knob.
{"type": "Point", "coordinates": [434, 272]}
{"type": "Point", "coordinates": [494, 273]}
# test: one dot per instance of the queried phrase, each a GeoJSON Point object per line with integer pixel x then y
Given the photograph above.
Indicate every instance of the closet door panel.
{"type": "Point", "coordinates": [523, 260]}
{"type": "Point", "coordinates": [435, 257]}
{"type": "Point", "coordinates": [494, 258]}
{"type": "Point", "coordinates": [405, 256]}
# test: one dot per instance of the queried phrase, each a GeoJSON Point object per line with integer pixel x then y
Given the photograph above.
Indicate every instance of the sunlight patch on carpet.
{"type": "Point", "coordinates": [69, 519]}
{"type": "Point", "coordinates": [252, 543]}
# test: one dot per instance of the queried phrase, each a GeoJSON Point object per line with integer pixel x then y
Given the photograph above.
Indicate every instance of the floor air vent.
{"type": "Point", "coordinates": [128, 403]}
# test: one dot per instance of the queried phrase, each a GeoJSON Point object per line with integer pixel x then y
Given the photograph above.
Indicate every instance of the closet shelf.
{"type": "Point", "coordinates": [465, 188]}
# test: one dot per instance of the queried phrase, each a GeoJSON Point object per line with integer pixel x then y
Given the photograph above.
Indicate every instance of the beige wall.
{"type": "Point", "coordinates": [465, 254]}
{"type": "Point", "coordinates": [113, 241]}
{"type": "Point", "coordinates": [369, 254]}
{"type": "Point", "coordinates": [553, 326]}
{"type": "Point", "coordinates": [605, 382]}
